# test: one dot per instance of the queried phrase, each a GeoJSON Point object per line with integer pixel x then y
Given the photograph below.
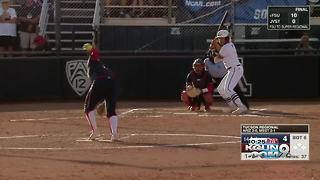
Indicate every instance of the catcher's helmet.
{"type": "Point", "coordinates": [197, 61]}
{"type": "Point", "coordinates": [222, 34]}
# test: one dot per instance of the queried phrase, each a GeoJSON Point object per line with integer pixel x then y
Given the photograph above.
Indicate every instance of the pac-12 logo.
{"type": "Point", "coordinates": [76, 72]}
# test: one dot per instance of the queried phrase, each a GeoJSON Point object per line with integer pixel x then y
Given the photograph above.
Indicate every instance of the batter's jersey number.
{"type": "Point", "coordinates": [288, 17]}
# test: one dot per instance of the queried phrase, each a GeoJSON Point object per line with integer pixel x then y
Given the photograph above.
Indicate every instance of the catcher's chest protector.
{"type": "Point", "coordinates": [200, 80]}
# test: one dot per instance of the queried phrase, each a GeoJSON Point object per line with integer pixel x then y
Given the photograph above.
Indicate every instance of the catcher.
{"type": "Point", "coordinates": [102, 89]}
{"type": "Point", "coordinates": [199, 88]}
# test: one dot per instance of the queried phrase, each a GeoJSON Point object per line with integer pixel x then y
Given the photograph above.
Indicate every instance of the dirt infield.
{"type": "Point", "coordinates": [160, 140]}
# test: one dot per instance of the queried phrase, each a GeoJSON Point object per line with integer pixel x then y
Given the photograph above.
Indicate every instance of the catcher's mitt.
{"type": "Point", "coordinates": [193, 91]}
{"type": "Point", "coordinates": [101, 110]}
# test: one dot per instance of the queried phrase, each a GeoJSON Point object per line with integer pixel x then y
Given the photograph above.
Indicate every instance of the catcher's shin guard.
{"type": "Point", "coordinates": [185, 98]}
{"type": "Point", "coordinates": [208, 99]}
{"type": "Point", "coordinates": [91, 117]}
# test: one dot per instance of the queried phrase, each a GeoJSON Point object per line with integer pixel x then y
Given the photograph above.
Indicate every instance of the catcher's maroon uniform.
{"type": "Point", "coordinates": [201, 79]}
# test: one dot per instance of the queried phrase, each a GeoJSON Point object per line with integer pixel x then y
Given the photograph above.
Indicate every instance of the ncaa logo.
{"type": "Point", "coordinates": [194, 5]}
{"type": "Point", "coordinates": [76, 72]}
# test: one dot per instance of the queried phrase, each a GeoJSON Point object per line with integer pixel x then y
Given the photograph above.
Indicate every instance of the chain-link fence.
{"type": "Point", "coordinates": [195, 22]}
{"type": "Point", "coordinates": [172, 25]}
{"type": "Point", "coordinates": [136, 8]}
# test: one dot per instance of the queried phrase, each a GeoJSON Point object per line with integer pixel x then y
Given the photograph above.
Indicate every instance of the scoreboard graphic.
{"type": "Point", "coordinates": [288, 18]}
{"type": "Point", "coordinates": [274, 141]}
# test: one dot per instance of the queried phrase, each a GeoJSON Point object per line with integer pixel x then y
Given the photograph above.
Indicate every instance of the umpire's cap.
{"type": "Point", "coordinates": [222, 34]}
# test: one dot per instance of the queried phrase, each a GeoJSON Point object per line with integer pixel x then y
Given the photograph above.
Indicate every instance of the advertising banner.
{"type": "Point", "coordinates": [211, 11]}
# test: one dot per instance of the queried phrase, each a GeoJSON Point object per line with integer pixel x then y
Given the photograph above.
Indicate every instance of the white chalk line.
{"type": "Point", "coordinates": [121, 147]}
{"type": "Point", "coordinates": [32, 136]}
{"type": "Point", "coordinates": [100, 139]}
{"type": "Point", "coordinates": [125, 136]}
{"type": "Point", "coordinates": [232, 115]}
{"type": "Point", "coordinates": [45, 119]}
{"type": "Point", "coordinates": [63, 118]}
{"type": "Point", "coordinates": [192, 135]}
{"type": "Point", "coordinates": [140, 109]}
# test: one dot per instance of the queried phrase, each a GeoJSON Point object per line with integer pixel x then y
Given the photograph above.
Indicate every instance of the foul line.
{"type": "Point", "coordinates": [193, 135]}
{"type": "Point", "coordinates": [32, 136]}
{"type": "Point", "coordinates": [121, 147]}
{"type": "Point", "coordinates": [66, 118]}
{"type": "Point", "coordinates": [45, 119]}
{"type": "Point", "coordinates": [125, 136]}
{"type": "Point", "coordinates": [134, 110]}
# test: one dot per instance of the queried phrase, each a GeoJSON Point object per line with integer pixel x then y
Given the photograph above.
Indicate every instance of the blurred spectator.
{"type": "Point", "coordinates": [28, 18]}
{"type": "Point", "coordinates": [8, 28]}
{"type": "Point", "coordinates": [41, 44]}
{"type": "Point", "coordinates": [304, 46]}
{"type": "Point", "coordinates": [156, 12]}
{"type": "Point", "coordinates": [123, 12]}
{"type": "Point", "coordinates": [141, 9]}
{"type": "Point", "coordinates": [107, 11]}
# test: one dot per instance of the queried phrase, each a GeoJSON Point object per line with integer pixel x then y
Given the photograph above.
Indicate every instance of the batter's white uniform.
{"type": "Point", "coordinates": [231, 79]}
{"type": "Point", "coordinates": [216, 70]}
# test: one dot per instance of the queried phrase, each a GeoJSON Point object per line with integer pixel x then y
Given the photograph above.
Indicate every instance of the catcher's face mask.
{"type": "Point", "coordinates": [198, 67]}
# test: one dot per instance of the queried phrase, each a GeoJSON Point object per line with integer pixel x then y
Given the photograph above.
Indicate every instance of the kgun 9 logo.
{"type": "Point", "coordinates": [267, 148]}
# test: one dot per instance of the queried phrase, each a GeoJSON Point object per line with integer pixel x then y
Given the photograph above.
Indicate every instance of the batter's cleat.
{"type": "Point", "coordinates": [94, 135]}
{"type": "Point", "coordinates": [114, 138]}
{"type": "Point", "coordinates": [241, 110]}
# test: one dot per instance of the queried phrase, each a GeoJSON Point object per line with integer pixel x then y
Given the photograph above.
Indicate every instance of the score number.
{"type": "Point", "coordinates": [288, 18]}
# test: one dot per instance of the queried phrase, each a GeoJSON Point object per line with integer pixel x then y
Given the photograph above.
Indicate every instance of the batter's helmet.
{"type": "Point", "coordinates": [222, 34]}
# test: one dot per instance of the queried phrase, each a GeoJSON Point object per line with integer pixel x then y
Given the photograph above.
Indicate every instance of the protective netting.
{"type": "Point", "coordinates": [175, 24]}
{"type": "Point", "coordinates": [196, 22]}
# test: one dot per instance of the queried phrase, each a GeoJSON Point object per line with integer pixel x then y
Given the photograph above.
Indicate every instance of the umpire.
{"type": "Point", "coordinates": [102, 89]}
